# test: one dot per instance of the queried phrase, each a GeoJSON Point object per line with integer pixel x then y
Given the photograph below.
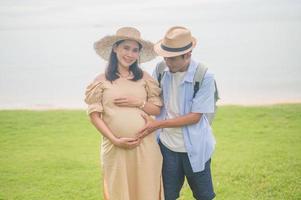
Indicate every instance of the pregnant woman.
{"type": "Point", "coordinates": [116, 102]}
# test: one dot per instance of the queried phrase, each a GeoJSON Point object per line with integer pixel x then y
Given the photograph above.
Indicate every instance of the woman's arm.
{"type": "Point", "coordinates": [126, 143]}
{"type": "Point", "coordinates": [131, 101]}
{"type": "Point", "coordinates": [150, 108]}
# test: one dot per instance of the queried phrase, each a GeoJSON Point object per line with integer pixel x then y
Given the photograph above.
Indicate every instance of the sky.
{"type": "Point", "coordinates": [35, 14]}
{"type": "Point", "coordinates": [47, 58]}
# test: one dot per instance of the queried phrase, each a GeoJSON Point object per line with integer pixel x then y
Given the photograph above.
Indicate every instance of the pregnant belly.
{"type": "Point", "coordinates": [125, 122]}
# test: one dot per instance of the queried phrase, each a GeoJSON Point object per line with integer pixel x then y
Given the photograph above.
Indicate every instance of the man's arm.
{"type": "Point", "coordinates": [152, 125]}
{"type": "Point", "coordinates": [202, 103]}
{"type": "Point", "coordinates": [188, 119]}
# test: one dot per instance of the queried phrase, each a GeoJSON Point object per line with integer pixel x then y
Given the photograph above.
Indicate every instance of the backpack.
{"type": "Point", "coordinates": [197, 81]}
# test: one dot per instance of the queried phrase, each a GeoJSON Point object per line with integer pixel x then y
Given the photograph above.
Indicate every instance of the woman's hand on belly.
{"type": "Point", "coordinates": [126, 143]}
{"type": "Point", "coordinates": [128, 101]}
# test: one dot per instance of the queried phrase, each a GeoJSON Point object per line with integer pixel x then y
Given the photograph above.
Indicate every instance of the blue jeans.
{"type": "Point", "coordinates": [176, 167]}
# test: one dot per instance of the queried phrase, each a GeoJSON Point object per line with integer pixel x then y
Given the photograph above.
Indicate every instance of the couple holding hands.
{"type": "Point", "coordinates": [145, 158]}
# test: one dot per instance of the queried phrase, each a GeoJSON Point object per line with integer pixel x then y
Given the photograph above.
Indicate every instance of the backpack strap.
{"type": "Point", "coordinates": [198, 77]}
{"type": "Point", "coordinates": [216, 94]}
{"type": "Point", "coordinates": [160, 71]}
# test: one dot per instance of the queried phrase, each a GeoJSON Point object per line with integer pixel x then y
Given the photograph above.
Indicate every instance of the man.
{"type": "Point", "coordinates": [184, 132]}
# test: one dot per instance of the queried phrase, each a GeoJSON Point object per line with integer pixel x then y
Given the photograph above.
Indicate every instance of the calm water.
{"type": "Point", "coordinates": [255, 59]}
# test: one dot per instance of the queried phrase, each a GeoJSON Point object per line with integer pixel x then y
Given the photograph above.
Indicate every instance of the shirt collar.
{"type": "Point", "coordinates": [190, 72]}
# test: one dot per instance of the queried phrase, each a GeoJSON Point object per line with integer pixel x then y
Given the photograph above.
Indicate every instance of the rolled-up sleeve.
{"type": "Point", "coordinates": [93, 97]}
{"type": "Point", "coordinates": [204, 101]}
{"type": "Point", "coordinates": [153, 92]}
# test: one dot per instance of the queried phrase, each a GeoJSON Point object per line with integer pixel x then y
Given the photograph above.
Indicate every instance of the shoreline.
{"type": "Point", "coordinates": [79, 108]}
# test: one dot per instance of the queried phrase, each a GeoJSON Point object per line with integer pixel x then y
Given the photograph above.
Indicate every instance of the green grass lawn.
{"type": "Point", "coordinates": [55, 155]}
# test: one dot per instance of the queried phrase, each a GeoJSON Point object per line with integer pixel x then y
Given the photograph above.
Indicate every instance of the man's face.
{"type": "Point", "coordinates": [177, 63]}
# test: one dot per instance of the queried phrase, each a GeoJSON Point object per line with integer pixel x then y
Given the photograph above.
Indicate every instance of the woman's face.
{"type": "Point", "coordinates": [127, 52]}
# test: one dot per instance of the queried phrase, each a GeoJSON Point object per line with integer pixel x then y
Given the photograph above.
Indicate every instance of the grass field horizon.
{"type": "Point", "coordinates": [54, 154]}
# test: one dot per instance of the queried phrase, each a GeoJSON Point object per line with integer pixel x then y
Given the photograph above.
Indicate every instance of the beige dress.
{"type": "Point", "coordinates": [129, 174]}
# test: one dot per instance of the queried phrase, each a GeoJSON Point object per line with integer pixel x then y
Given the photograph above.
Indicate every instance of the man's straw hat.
{"type": "Point", "coordinates": [103, 47]}
{"type": "Point", "coordinates": [177, 41]}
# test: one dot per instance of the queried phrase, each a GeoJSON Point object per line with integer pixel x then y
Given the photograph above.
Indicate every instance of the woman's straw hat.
{"type": "Point", "coordinates": [103, 47]}
{"type": "Point", "coordinates": [177, 41]}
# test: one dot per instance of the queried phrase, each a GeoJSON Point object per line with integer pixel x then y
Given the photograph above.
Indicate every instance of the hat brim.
{"type": "Point", "coordinates": [103, 47]}
{"type": "Point", "coordinates": [161, 52]}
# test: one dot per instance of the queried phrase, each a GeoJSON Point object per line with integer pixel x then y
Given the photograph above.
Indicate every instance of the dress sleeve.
{"type": "Point", "coordinates": [93, 98]}
{"type": "Point", "coordinates": [153, 92]}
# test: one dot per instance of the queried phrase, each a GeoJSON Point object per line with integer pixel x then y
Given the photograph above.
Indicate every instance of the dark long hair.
{"type": "Point", "coordinates": [112, 68]}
